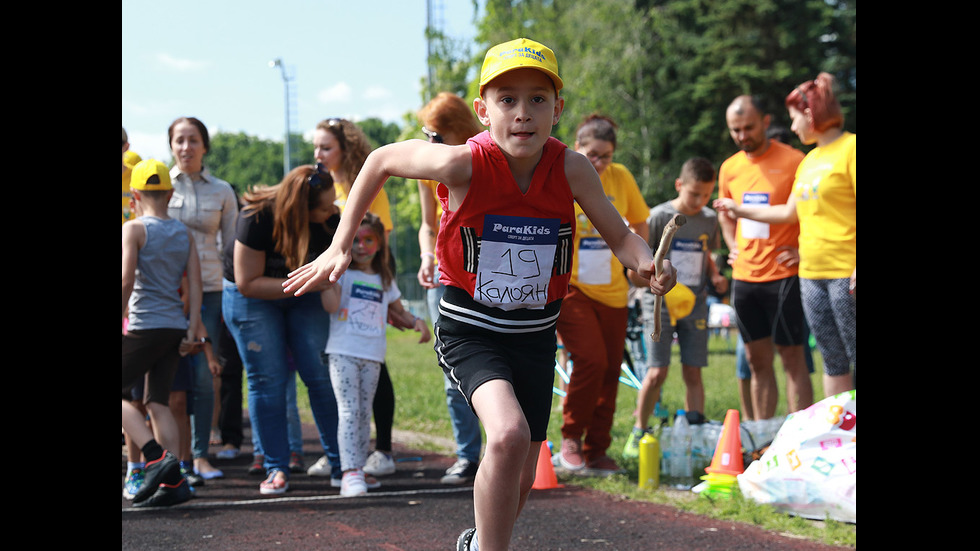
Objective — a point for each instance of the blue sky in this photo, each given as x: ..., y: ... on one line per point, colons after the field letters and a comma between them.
x: 211, y: 59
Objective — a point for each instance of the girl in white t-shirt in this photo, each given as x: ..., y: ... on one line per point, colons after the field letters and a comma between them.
x: 360, y: 304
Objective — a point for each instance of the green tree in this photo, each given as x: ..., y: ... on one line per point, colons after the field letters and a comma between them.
x: 665, y: 70
x: 244, y: 161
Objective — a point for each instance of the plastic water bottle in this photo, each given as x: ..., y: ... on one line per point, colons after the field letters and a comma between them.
x: 680, y: 453
x: 649, y: 462
x: 665, y: 448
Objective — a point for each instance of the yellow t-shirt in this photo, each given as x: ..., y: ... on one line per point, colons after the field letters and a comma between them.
x: 596, y: 271
x: 379, y: 207
x: 826, y: 205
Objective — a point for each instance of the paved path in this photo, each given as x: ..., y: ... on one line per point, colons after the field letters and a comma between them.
x: 412, y: 511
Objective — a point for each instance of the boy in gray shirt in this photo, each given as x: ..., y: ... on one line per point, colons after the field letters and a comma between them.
x: 686, y: 311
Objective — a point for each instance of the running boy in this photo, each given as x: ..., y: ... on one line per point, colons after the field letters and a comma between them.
x: 691, y: 254
x: 156, y: 252
x: 505, y: 241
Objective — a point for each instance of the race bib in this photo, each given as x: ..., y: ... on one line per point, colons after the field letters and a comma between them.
x: 594, y: 261
x: 364, y: 313
x: 516, y: 259
x: 687, y: 255
x: 752, y: 229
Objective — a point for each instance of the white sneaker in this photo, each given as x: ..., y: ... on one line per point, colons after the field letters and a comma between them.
x: 320, y: 468
x: 379, y: 464
x: 353, y: 484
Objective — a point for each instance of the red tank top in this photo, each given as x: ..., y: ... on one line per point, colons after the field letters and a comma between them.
x: 511, y: 252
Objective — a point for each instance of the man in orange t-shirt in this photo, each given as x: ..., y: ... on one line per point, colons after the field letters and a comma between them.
x: 764, y: 258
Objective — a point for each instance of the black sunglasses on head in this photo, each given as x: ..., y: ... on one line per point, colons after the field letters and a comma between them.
x: 314, y: 180
x: 433, y: 136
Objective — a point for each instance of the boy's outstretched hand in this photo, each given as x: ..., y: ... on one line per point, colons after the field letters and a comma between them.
x: 325, y: 270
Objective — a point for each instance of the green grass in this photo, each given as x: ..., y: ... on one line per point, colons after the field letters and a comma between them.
x: 421, y: 407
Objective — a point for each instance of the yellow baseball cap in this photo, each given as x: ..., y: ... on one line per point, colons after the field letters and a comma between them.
x: 150, y: 174
x: 680, y: 302
x: 130, y: 158
x: 518, y: 54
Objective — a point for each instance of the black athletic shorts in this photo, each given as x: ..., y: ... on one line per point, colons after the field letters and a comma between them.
x: 770, y: 309
x: 471, y: 356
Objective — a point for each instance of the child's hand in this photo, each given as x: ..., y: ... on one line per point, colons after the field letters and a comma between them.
x: 422, y: 327
x: 327, y: 268
x: 720, y: 282
x: 189, y: 346
x: 725, y: 206
x: 214, y: 367
x: 660, y: 285
x: 427, y: 273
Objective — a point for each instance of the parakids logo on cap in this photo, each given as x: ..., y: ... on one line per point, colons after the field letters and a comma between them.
x: 525, y: 51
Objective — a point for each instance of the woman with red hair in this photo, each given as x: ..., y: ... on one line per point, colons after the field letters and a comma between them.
x: 824, y: 201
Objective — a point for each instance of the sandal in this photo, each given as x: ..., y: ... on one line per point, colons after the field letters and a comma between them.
x: 273, y: 484
x: 258, y: 464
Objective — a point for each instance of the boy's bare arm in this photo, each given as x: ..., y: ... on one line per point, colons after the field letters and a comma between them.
x: 413, y: 159
x: 631, y: 249
x: 330, y: 298
x: 131, y: 232
x: 397, y: 310
x: 195, y: 292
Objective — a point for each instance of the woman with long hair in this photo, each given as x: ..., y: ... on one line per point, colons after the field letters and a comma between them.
x: 280, y: 228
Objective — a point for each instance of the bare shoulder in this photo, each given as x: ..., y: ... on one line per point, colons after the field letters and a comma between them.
x: 581, y: 175
x: 134, y: 233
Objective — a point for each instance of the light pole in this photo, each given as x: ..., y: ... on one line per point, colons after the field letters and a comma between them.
x: 285, y: 148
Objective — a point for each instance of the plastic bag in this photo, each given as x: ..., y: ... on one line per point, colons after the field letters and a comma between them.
x: 810, y: 469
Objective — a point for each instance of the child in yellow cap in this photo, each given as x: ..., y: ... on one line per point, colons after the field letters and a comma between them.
x: 505, y: 250
x: 156, y: 253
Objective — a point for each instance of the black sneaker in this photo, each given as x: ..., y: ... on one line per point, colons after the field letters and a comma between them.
x: 462, y: 472
x: 463, y: 542
x: 155, y: 472
x: 167, y: 495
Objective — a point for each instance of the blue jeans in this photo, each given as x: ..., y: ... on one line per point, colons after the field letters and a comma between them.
x: 292, y: 417
x: 267, y: 332
x: 466, y: 426
x: 201, y: 397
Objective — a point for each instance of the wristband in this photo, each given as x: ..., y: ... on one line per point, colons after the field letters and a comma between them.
x: 430, y: 255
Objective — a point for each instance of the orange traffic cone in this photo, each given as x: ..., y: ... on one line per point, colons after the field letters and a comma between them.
x: 728, y: 453
x: 544, y: 476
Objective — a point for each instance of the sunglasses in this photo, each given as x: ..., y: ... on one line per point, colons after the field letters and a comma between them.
x: 315, y: 181
x: 434, y: 137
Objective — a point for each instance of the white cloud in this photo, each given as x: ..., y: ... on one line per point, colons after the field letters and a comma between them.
x: 181, y: 65
x: 340, y: 92
x: 377, y: 92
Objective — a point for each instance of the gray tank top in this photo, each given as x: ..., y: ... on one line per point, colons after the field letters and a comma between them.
x: 155, y: 302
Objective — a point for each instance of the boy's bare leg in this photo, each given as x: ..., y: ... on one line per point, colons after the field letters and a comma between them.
x: 507, y: 470
x: 649, y: 395
x: 694, y: 385
x: 164, y: 427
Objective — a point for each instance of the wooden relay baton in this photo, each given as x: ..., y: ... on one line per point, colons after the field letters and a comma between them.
x: 670, y: 229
